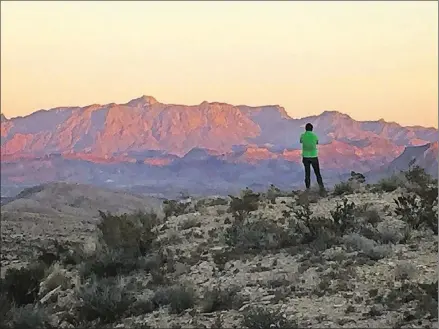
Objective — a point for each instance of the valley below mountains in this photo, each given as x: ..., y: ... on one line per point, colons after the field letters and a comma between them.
x: 212, y: 148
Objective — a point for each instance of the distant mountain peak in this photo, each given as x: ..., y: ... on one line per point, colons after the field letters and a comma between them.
x: 142, y: 100
x: 335, y: 114
x: 3, y: 117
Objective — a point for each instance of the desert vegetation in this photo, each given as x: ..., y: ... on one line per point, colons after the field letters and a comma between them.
x: 363, y: 255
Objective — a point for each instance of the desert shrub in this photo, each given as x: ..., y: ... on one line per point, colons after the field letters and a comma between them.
x: 178, y: 297
x: 334, y: 280
x: 56, y: 277
x: 418, y: 207
x: 111, y: 263
x: 388, y: 234
x: 418, y: 178
x: 302, y: 212
x: 220, y: 212
x: 182, y: 298
x: 174, y: 208
x: 318, y: 233
x: 103, y: 299
x: 424, y: 298
x: 128, y: 232
x: 28, y: 317
x: 241, y: 207
x: 5, y: 308
x: 162, y: 296
x: 96, y: 325
x: 272, y: 193
x: 312, y: 229
x: 404, y: 271
x: 368, y: 247
x: 218, y: 299
x: 261, y: 318
x: 343, y: 216
x: 256, y: 235
x: 220, y: 258
x: 343, y: 188
x: 66, y: 253
x: 388, y: 184
x: 51, y: 253
x: 189, y: 223
x: 357, y: 177
x: 371, y: 216
x: 21, y: 286
x: 212, y: 202
x: 368, y: 215
x: 140, y: 307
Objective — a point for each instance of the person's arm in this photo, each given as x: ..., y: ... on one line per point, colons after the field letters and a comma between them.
x: 300, y: 139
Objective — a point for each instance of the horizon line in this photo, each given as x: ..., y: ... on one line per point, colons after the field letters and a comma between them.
x: 211, y: 102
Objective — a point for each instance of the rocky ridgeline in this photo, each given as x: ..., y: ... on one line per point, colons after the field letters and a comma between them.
x: 364, y: 256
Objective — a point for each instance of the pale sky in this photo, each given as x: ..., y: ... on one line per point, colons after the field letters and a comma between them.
x: 368, y: 59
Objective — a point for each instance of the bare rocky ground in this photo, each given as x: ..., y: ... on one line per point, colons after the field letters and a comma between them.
x: 353, y: 259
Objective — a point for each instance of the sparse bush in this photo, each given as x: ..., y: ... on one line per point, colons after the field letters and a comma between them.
x: 388, y: 184
x: 212, y: 202
x: 218, y: 299
x: 404, y: 271
x: 272, y: 193
x: 343, y: 188
x: 132, y: 233
x: 111, y: 263
x: 418, y: 179
x: 335, y: 280
x: 357, y: 177
x: 344, y: 216
x: 57, y: 276
x: 162, y: 297
x: 141, y: 306
x: 367, y: 246
x: 174, y: 208
x: 369, y: 216
x: 28, y: 317
x: 260, y: 318
x: 257, y: 235
x: 220, y: 212
x: 5, y: 308
x: 423, y: 296
x: 313, y: 229
x: 389, y: 234
x: 419, y: 208
x: 189, y: 223
x: 241, y: 207
x: 21, y: 286
x: 66, y: 253
x: 302, y: 212
x: 103, y: 299
x: 178, y: 297
x: 220, y: 258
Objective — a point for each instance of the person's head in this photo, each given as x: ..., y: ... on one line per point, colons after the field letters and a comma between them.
x: 309, y: 127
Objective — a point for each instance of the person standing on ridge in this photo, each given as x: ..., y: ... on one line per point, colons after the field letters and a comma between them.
x: 309, y: 142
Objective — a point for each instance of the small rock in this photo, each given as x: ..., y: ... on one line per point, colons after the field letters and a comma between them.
x: 50, y: 294
x: 269, y: 297
x: 244, y: 307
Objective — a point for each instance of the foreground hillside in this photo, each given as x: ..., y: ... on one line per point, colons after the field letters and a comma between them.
x: 355, y: 258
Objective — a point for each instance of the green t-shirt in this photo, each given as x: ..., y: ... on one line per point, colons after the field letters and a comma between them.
x: 309, y: 142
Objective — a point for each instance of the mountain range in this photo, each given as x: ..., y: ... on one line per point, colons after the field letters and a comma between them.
x: 153, y: 147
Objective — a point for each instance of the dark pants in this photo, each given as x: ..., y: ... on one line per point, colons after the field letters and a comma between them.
x: 314, y: 162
